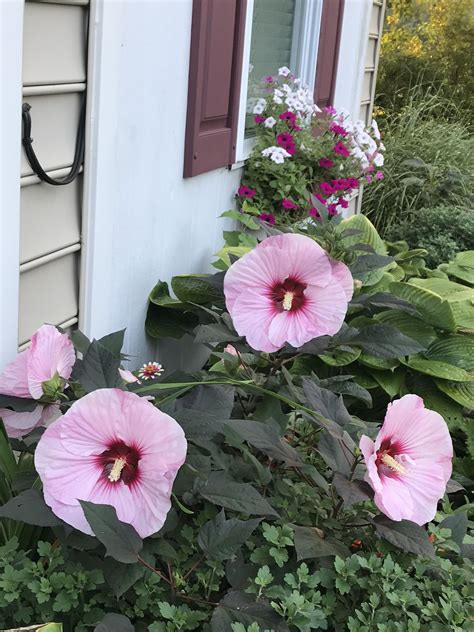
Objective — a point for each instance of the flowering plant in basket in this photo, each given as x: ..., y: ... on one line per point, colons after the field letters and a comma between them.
x: 306, y: 162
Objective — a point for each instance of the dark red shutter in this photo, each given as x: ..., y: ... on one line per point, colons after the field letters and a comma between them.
x: 328, y: 52
x: 215, y: 71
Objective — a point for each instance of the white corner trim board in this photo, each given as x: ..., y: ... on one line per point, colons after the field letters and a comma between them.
x: 11, y: 36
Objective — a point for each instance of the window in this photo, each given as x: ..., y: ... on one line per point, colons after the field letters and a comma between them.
x: 277, y: 33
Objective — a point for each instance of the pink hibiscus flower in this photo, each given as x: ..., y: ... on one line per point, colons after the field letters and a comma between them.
x: 326, y: 163
x: 115, y: 448
x: 36, y: 372
x: 341, y: 149
x: 20, y: 424
x: 409, y: 464
x: 50, y: 355
x: 247, y: 192
x: 287, y: 290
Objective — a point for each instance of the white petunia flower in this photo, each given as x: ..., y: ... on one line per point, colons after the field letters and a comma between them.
x: 260, y: 106
x: 382, y: 147
x: 269, y: 122
x: 284, y: 71
x: 277, y: 154
x: 375, y: 127
x: 378, y: 160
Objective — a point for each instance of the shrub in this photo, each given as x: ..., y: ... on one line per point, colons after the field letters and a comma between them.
x: 429, y: 163
x: 442, y: 231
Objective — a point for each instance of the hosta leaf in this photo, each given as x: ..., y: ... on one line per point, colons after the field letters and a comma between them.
x: 434, y: 399
x: 384, y: 341
x: 433, y: 308
x: 377, y: 363
x: 409, y: 325
x: 438, y: 369
x: 465, y: 258
x: 367, y: 234
x: 462, y: 306
x: 340, y: 357
x: 391, y: 381
x: 457, y: 350
x: 440, y: 286
x: 460, y: 272
x: 460, y: 392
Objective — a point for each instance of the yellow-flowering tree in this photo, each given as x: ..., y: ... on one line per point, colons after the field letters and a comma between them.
x: 428, y: 41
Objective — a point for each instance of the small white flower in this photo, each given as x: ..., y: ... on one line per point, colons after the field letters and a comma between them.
x: 375, y: 127
x: 260, y: 106
x: 286, y: 88
x: 378, y: 160
x: 382, y: 147
x: 284, y: 71
x: 277, y: 154
x: 269, y: 122
x: 150, y: 370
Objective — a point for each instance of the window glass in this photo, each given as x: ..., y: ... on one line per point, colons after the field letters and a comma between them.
x: 272, y: 46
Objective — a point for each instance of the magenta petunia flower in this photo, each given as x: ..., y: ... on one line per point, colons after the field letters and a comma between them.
x: 286, y: 140
x: 343, y: 203
x: 341, y: 149
x: 115, y: 448
x: 247, y: 192
x: 267, y: 217
x: 288, y: 116
x: 289, y: 205
x: 379, y: 175
x: 329, y: 109
x: 326, y: 163
x: 327, y: 188
x: 332, y: 210
x: 353, y: 183
x: 269, y: 79
x: 409, y: 464
x: 313, y: 212
x: 338, y: 129
x: 259, y: 118
x: 287, y: 290
x: 320, y: 198
x: 50, y: 355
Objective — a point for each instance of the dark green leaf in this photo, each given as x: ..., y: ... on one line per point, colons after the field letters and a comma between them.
x: 310, y: 543
x: 326, y: 403
x: 219, y: 538
x: 385, y: 341
x: 405, y: 535
x: 222, y: 491
x: 18, y: 404
x: 458, y: 525
x: 166, y: 317
x: 337, y: 452
x: 214, y: 332
x: 120, y: 539
x: 385, y: 300
x: 113, y: 622
x: 367, y: 263
x: 351, y: 491
x: 199, y: 289
x: 120, y: 577
x: 98, y: 368
x: 266, y: 439
x: 113, y: 342
x: 242, y: 607
x: 80, y: 341
x: 29, y: 507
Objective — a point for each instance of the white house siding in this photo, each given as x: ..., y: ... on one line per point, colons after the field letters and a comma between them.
x: 141, y: 220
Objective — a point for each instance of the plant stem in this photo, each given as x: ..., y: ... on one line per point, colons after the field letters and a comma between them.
x: 153, y: 570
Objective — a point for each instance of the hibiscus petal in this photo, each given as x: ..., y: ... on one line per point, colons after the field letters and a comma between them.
x: 14, y: 378
x: 51, y: 352
x: 394, y: 500
x: 20, y: 424
x: 325, y: 308
x: 426, y: 484
x: 252, y: 314
x: 151, y: 497
x: 343, y: 276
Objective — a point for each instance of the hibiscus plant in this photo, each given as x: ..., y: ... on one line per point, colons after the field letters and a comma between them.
x: 266, y: 490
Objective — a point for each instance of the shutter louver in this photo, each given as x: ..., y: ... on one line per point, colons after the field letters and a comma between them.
x: 328, y: 52
x: 215, y: 69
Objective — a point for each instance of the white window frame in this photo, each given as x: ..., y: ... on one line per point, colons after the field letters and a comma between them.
x: 304, y: 56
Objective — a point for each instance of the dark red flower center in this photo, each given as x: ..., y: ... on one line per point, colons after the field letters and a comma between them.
x: 120, y: 463
x: 386, y: 458
x: 289, y: 295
